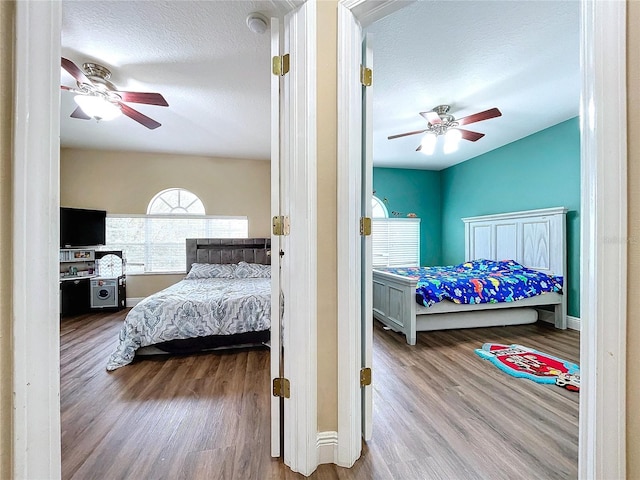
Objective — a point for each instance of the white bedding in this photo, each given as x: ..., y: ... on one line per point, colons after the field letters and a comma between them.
x: 195, y: 308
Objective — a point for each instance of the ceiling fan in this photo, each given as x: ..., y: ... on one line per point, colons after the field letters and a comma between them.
x: 440, y: 122
x: 98, y: 98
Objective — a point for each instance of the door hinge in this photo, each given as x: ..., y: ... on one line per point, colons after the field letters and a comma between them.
x: 365, y: 376
x: 281, y: 387
x: 365, y: 226
x: 281, y: 65
x: 280, y: 225
x: 366, y: 76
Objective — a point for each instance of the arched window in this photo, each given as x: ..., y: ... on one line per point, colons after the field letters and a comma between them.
x: 175, y: 201
x: 378, y: 208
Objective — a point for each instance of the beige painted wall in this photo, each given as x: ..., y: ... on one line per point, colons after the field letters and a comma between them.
x: 633, y: 315
x: 125, y: 182
x: 327, y: 18
x: 6, y: 97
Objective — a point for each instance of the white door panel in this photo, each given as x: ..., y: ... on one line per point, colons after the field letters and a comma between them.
x: 276, y: 350
x: 367, y: 275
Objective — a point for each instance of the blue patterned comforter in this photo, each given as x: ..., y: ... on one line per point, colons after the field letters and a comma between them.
x: 478, y: 281
x: 194, y: 308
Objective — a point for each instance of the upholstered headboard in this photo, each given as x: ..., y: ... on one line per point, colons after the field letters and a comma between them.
x: 228, y: 250
x: 533, y: 238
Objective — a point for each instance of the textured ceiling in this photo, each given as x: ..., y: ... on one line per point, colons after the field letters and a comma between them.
x: 519, y: 56
x: 213, y: 71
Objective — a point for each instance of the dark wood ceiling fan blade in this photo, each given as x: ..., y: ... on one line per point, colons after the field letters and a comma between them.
x: 480, y: 116
x: 431, y: 117
x: 406, y: 134
x: 141, y: 118
x: 74, y: 70
x: 79, y: 113
x: 469, y: 135
x: 142, y: 97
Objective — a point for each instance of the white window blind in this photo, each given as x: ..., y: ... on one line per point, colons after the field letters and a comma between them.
x: 156, y: 243
x: 396, y: 242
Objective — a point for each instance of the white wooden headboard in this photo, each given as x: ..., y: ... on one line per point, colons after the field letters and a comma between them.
x: 533, y: 238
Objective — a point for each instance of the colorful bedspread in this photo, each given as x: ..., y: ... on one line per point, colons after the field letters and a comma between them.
x: 479, y: 281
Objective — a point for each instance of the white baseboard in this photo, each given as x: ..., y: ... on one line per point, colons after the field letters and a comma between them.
x: 133, y: 301
x: 327, y: 446
x: 572, y: 322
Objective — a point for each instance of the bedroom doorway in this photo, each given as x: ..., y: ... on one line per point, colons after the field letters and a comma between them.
x: 33, y: 437
x: 602, y: 30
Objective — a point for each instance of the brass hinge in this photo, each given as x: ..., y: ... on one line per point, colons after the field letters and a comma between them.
x: 280, y: 225
x: 366, y: 76
x: 365, y: 376
x: 365, y: 226
x: 281, y: 387
x: 281, y: 65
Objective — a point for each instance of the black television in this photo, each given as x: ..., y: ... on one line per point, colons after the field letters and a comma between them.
x: 81, y: 227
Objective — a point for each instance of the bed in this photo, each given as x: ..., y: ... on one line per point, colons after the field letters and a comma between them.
x: 535, y: 239
x: 223, y: 301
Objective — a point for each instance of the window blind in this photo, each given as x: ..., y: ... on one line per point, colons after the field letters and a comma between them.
x: 396, y: 242
x: 156, y: 243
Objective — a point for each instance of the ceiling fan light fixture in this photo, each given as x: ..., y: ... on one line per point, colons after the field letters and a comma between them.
x: 451, y: 140
x: 428, y: 144
x: 97, y: 107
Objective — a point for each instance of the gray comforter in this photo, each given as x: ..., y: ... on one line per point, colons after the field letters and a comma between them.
x: 194, y: 308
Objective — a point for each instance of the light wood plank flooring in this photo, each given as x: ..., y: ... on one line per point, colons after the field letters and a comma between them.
x: 440, y: 412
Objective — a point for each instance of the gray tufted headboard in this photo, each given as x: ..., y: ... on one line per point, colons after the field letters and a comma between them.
x: 228, y: 250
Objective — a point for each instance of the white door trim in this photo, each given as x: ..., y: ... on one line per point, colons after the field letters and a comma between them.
x: 603, y: 262
x: 36, y: 160
x: 602, y: 447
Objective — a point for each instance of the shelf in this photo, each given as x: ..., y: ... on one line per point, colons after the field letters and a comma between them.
x: 68, y: 255
x: 76, y: 277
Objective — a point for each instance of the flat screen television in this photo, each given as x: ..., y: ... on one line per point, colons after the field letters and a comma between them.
x: 81, y: 228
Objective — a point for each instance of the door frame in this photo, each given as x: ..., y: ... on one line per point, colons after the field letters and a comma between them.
x: 36, y: 442
x: 602, y: 442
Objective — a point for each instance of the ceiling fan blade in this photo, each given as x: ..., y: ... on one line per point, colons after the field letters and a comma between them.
x: 142, y: 97
x: 432, y: 117
x: 480, y: 116
x: 469, y: 135
x: 74, y: 70
x: 64, y: 87
x: 139, y: 117
x: 79, y: 113
x: 406, y: 134
x: 419, y: 148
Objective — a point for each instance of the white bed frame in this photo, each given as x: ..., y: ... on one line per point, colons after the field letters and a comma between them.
x: 533, y: 238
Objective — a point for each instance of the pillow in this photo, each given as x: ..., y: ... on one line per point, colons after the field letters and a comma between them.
x: 211, y: 270
x: 252, y: 270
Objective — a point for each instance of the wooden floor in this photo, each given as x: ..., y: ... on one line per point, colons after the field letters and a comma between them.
x: 440, y: 412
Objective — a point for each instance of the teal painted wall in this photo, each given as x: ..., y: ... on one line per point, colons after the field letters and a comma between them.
x: 414, y: 191
x: 538, y: 171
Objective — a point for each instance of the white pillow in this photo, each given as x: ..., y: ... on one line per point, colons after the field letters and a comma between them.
x: 211, y: 270
x: 252, y: 270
